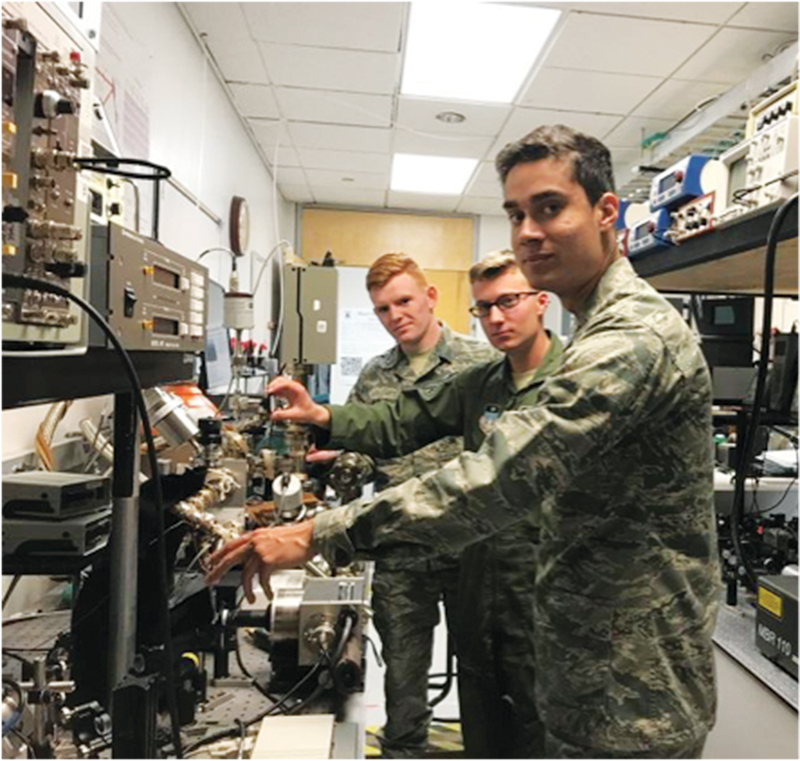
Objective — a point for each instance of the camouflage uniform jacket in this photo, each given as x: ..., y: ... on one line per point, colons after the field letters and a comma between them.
x: 384, y: 377
x: 617, y: 455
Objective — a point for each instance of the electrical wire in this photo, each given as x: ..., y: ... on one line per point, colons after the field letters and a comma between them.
x: 220, y: 248
x: 129, y: 181
x: 266, y: 261
x: 737, y: 510
x: 281, y: 309
x: 738, y: 195
x: 777, y: 504
x: 13, y: 654
x: 111, y: 166
x: 22, y: 281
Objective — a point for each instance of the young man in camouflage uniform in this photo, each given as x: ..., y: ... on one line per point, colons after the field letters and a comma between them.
x: 615, y: 452
x: 406, y: 595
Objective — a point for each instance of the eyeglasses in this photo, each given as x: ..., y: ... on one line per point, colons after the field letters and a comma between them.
x: 504, y: 303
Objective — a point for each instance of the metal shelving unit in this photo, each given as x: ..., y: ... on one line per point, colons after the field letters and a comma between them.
x: 726, y: 260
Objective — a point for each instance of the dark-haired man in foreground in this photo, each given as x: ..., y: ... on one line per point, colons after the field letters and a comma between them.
x: 616, y: 455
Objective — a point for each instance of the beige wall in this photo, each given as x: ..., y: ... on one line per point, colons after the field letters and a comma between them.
x: 442, y: 246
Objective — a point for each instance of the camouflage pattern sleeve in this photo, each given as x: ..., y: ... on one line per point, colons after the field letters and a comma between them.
x: 607, y: 385
x: 420, y: 415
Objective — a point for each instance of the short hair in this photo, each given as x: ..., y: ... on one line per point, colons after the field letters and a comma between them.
x: 493, y: 265
x: 385, y: 267
x: 591, y: 160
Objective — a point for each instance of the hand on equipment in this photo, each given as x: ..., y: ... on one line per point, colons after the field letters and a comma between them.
x: 301, y: 409
x: 322, y: 455
x: 261, y: 552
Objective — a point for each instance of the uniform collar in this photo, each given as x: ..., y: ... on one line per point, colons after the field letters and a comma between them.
x: 619, y: 274
x: 395, y: 359
x: 548, y: 365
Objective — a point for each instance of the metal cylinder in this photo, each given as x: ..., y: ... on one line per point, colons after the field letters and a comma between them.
x: 170, y: 417
x: 285, y: 614
x: 287, y: 491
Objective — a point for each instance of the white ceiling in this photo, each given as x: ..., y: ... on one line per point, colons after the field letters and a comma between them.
x: 318, y: 83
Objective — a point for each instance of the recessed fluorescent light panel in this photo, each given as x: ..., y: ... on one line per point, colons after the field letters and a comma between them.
x: 431, y: 174
x: 473, y: 51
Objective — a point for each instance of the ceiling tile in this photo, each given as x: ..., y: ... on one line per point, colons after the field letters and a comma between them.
x: 255, y: 100
x: 348, y: 197
x: 360, y: 26
x: 420, y: 114
x: 485, y: 182
x: 733, y: 55
x: 349, y: 161
x: 339, y: 138
x: 573, y: 90
x: 779, y: 17
x: 490, y: 206
x: 676, y: 98
x: 440, y: 145
x: 271, y: 134
x: 296, y: 193
x: 287, y: 156
x: 355, y: 180
x: 584, y: 44
x: 289, y: 175
x: 525, y: 120
x: 329, y: 69
x: 327, y: 106
x: 228, y: 38
x: 399, y: 200
x: 709, y: 13
x: 631, y: 131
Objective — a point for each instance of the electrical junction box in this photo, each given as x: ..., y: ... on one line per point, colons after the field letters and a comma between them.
x: 71, y: 537
x: 650, y: 234
x: 689, y: 178
x: 48, y: 495
x: 153, y: 298
x: 309, y: 319
x: 776, y: 620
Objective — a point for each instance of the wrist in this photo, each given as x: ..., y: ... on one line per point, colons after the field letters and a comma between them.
x: 323, y: 417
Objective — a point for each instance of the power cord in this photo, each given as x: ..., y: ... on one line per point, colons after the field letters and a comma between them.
x: 112, y: 166
x: 23, y: 281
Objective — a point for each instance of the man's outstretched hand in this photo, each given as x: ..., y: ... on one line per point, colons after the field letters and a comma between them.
x: 302, y: 408
x: 261, y: 552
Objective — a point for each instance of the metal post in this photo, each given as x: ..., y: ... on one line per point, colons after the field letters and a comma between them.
x: 124, y: 539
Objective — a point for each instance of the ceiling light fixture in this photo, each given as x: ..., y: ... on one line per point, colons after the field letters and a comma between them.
x: 477, y: 52
x: 451, y: 117
x: 440, y: 175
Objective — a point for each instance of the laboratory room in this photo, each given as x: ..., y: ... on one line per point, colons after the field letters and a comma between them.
x: 400, y: 380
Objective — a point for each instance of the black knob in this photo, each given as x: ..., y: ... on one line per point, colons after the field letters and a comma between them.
x: 66, y: 270
x: 14, y: 214
x: 65, y: 106
x: 210, y: 430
